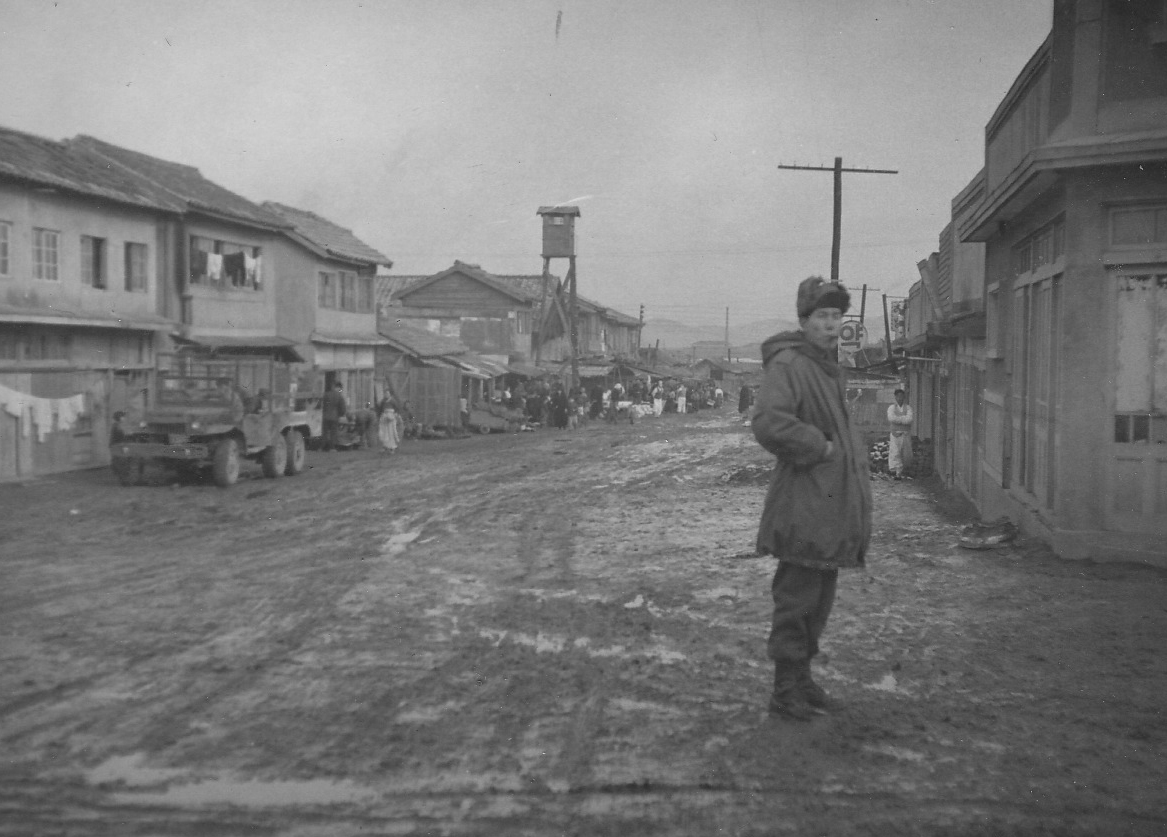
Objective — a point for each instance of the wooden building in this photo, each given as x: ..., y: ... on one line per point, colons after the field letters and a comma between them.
x: 81, y: 302
x: 326, y: 302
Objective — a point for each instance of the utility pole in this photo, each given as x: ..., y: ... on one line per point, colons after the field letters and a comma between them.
x: 887, y: 334
x: 640, y: 331
x: 838, y: 220
x: 728, y: 353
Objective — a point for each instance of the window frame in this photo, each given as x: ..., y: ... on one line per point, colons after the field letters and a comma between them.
x: 5, y: 248
x: 45, y: 268
x: 94, y: 262
x: 130, y: 262
x: 326, y: 293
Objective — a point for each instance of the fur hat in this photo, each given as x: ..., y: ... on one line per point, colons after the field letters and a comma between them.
x: 816, y: 292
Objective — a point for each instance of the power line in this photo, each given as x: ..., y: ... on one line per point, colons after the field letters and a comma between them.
x: 707, y: 252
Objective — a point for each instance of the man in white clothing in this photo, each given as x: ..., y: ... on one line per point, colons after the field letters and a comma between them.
x: 900, y: 417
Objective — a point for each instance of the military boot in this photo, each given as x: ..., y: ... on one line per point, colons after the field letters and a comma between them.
x: 788, y: 700
x: 812, y: 692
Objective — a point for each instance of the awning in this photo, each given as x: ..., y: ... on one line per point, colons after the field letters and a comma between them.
x: 349, y: 339
x: 63, y: 317
x: 527, y: 371
x: 471, y: 370
x: 279, y: 347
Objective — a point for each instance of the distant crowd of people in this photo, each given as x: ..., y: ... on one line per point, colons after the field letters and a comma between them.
x: 532, y: 404
x: 544, y: 403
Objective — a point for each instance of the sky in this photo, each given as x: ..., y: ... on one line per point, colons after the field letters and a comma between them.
x: 435, y: 129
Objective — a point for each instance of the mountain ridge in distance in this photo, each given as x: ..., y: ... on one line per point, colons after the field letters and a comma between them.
x: 674, y: 334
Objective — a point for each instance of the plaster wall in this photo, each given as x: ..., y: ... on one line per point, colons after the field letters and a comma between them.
x: 71, y: 218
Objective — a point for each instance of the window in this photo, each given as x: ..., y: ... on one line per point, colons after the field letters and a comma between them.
x: 1138, y: 225
x: 1140, y: 402
x: 365, y: 294
x: 326, y: 297
x: 1045, y: 246
x: 45, y: 344
x: 9, y: 345
x: 135, y: 267
x: 5, y: 236
x: 93, y: 261
x: 44, y: 254
x: 228, y: 264
x: 348, y: 291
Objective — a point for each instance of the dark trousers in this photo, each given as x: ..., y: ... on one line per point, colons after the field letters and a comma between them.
x: 330, y: 432
x: 803, y: 598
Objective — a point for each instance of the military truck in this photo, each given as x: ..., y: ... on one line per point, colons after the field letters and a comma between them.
x: 211, y: 413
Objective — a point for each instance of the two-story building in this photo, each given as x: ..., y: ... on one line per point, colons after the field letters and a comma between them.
x: 493, y: 315
x: 218, y: 274
x: 327, y: 302
x: 1074, y: 225
x: 81, y: 301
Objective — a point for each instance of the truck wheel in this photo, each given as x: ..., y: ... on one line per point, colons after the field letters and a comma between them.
x: 128, y: 471
x: 275, y: 458
x: 296, y: 453
x: 484, y: 429
x: 226, y: 463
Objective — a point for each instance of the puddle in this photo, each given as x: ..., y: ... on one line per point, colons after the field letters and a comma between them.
x: 253, y: 793
x: 397, y: 543
x: 163, y: 786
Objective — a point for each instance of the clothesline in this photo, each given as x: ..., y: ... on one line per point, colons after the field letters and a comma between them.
x: 43, y: 412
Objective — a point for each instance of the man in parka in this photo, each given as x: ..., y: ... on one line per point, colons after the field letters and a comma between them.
x: 817, y: 517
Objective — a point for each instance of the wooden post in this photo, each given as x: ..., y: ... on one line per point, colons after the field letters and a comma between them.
x: 838, y: 211
x: 537, y: 336
x: 887, y: 334
x: 836, y: 231
x: 573, y: 317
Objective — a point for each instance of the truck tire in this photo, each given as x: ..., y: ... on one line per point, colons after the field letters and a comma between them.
x: 296, y: 452
x: 225, y: 466
x: 275, y: 458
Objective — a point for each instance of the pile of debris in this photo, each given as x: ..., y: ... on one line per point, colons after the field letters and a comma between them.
x: 988, y: 535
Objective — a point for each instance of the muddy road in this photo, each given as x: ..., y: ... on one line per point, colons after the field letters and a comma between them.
x: 551, y: 633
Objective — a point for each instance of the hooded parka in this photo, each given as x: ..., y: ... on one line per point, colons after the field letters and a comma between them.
x: 818, y: 509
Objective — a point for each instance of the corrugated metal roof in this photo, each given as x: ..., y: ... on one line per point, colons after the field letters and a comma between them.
x: 348, y: 339
x: 327, y: 236
x: 181, y: 181
x: 420, y: 341
x: 59, y: 166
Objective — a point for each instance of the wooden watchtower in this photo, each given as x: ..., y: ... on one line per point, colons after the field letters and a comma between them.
x: 559, y: 243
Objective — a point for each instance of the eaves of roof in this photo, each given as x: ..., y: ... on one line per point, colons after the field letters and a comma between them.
x: 474, y: 272
x: 326, y: 238
x: 1038, y: 172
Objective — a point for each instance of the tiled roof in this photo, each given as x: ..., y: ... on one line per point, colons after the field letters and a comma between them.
x: 389, y: 287
x: 327, y: 236
x: 181, y: 181
x: 54, y: 164
x: 418, y: 340
x: 530, y: 286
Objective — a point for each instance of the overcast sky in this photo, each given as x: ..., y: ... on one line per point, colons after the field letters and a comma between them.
x: 435, y: 129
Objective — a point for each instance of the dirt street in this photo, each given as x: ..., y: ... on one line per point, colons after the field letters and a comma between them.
x: 551, y: 633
